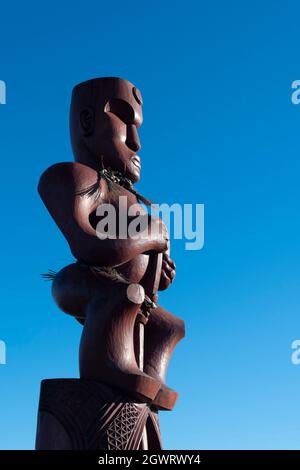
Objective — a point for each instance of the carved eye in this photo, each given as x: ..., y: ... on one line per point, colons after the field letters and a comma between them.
x: 120, y: 108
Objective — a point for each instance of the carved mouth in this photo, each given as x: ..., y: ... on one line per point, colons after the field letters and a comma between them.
x: 136, y: 161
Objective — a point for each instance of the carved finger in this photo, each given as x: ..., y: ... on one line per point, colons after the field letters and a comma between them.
x: 165, y: 281
x: 170, y: 272
x: 169, y: 261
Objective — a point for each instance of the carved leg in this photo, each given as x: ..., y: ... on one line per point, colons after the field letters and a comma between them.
x: 108, y: 311
x: 163, y: 331
x: 107, y: 343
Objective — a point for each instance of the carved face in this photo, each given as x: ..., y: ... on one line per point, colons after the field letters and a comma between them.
x: 111, y: 127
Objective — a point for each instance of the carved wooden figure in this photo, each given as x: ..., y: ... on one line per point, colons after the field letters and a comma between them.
x: 111, y: 289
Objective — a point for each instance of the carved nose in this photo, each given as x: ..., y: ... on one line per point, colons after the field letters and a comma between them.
x: 132, y: 140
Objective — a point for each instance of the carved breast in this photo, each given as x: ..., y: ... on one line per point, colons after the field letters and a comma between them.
x: 121, y: 200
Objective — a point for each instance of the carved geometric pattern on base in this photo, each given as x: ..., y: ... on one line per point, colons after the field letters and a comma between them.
x: 121, y: 428
x: 79, y: 414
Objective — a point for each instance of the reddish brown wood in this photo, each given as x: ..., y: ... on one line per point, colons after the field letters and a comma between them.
x: 104, y: 120
x: 76, y: 414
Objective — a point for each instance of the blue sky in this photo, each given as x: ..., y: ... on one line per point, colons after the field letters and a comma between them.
x: 219, y: 129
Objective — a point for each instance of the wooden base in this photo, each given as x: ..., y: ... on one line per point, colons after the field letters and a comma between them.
x: 77, y: 414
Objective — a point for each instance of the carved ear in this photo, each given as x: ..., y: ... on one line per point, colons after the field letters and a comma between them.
x: 87, y: 121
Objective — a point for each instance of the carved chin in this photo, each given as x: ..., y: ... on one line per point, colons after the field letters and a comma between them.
x: 136, y: 176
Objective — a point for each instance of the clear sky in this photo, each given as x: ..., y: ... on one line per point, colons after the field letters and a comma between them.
x: 219, y: 129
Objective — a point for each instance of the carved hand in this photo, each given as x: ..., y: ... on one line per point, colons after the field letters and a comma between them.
x: 167, y: 272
